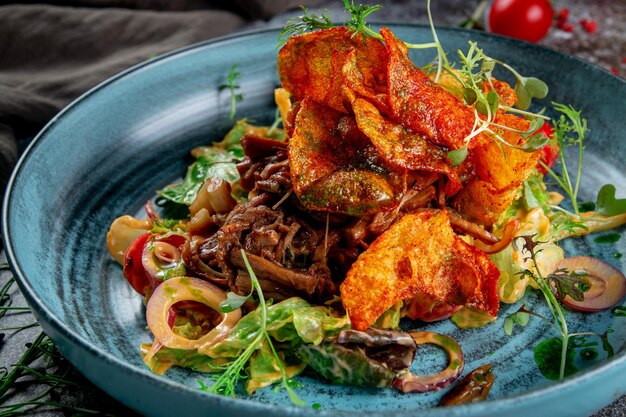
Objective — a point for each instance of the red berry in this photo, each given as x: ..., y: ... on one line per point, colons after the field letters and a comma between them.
x: 567, y: 27
x: 590, y: 26
x: 615, y: 71
x: 563, y: 14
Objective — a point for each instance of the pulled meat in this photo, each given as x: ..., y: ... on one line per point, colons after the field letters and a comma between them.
x: 287, y: 249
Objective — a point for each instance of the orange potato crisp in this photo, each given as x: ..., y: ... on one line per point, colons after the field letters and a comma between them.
x: 418, y: 254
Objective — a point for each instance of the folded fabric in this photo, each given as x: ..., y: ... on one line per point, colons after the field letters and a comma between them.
x: 51, y: 54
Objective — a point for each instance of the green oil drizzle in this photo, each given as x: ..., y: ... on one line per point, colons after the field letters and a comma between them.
x: 548, y: 358
x: 589, y: 354
x: 608, y: 238
x: 619, y: 311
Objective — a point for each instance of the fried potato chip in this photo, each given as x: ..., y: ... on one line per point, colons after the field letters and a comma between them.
x: 308, y: 64
x: 335, y: 168
x: 401, y: 147
x: 500, y: 165
x: 504, y: 90
x: 418, y: 254
x: 421, y: 105
x: 479, y: 202
x: 353, y: 81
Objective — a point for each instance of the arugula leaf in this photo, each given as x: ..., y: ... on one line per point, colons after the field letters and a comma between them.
x: 607, y: 204
x: 215, y: 163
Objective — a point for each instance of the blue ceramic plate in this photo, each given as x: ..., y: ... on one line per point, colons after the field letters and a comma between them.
x: 105, y: 154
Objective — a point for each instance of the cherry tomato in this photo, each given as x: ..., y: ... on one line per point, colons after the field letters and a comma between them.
x: 550, y: 152
x: 134, y: 272
x: 142, y: 270
x: 528, y: 20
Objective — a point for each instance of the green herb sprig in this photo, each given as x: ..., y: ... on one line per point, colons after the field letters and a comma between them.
x: 226, y: 383
x: 569, y: 130
x: 230, y: 83
x: 476, y: 72
x: 356, y: 21
x: 307, y: 22
x: 554, y: 286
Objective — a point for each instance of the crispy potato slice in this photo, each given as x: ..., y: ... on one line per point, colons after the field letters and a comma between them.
x: 500, y: 165
x: 402, y: 147
x: 421, y: 105
x: 308, y: 64
x: 479, y: 202
x: 418, y: 254
x: 504, y: 90
x: 335, y: 168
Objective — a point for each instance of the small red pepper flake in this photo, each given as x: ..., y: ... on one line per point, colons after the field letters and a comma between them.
x: 567, y: 27
x: 590, y: 26
x: 563, y: 15
x: 615, y: 71
x: 624, y: 60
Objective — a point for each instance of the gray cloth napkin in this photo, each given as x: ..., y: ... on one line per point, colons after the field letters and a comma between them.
x: 50, y: 54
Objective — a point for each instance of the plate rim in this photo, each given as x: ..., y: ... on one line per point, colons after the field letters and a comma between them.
x: 51, y: 320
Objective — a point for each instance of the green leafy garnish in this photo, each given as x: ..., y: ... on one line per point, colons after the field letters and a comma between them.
x: 231, y: 84
x: 227, y: 382
x: 520, y: 318
x: 356, y: 21
x: 607, y: 204
x: 307, y: 22
x: 234, y: 301
x: 527, y: 88
x: 216, y: 161
x: 476, y: 72
x: 457, y: 156
x: 552, y: 364
x: 569, y: 130
x: 568, y: 282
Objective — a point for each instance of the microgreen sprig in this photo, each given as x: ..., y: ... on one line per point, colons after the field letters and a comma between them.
x: 230, y: 83
x: 569, y: 130
x: 476, y: 72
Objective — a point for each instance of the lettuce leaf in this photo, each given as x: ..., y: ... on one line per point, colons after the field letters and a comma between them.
x: 342, y: 365
x: 290, y: 322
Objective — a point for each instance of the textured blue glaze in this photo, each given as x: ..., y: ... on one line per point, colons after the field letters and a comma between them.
x: 105, y: 154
